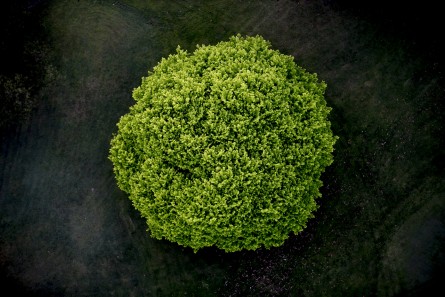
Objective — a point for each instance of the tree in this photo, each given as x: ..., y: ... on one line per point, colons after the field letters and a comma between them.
x: 225, y: 146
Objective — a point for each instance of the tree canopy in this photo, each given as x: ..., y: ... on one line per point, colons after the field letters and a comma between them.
x: 225, y: 146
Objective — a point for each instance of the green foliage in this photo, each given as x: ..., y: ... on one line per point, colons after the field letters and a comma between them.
x: 225, y: 146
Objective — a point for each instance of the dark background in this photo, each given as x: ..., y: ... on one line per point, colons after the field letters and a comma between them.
x: 26, y: 51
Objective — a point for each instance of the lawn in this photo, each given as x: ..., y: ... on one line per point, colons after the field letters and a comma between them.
x: 67, y: 230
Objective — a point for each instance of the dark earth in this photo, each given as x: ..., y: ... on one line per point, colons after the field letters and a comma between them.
x: 67, y: 72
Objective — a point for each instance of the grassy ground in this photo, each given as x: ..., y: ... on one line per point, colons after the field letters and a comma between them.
x: 66, y: 230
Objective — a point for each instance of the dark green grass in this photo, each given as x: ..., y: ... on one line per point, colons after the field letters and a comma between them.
x: 65, y: 228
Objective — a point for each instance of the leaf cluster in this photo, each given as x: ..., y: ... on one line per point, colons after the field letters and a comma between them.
x: 225, y: 146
